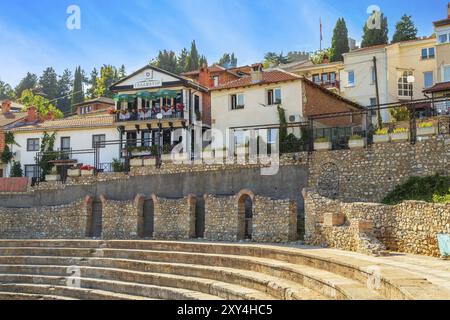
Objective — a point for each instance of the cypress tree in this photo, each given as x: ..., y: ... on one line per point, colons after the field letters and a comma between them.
x: 376, y: 36
x: 339, y: 42
x: 405, y: 30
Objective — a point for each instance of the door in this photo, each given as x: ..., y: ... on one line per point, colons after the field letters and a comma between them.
x: 97, y: 213
x: 148, y: 219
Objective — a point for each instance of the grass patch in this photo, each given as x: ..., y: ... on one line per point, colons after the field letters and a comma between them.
x: 433, y: 189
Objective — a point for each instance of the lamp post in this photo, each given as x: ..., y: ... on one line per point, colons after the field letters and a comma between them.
x: 412, y: 126
x: 159, y: 116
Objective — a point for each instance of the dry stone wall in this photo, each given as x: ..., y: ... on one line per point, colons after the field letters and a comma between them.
x: 409, y: 227
x: 58, y: 222
x: 221, y: 218
x: 174, y: 218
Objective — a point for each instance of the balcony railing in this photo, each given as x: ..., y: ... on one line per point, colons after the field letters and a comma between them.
x: 328, y: 84
x: 120, y: 117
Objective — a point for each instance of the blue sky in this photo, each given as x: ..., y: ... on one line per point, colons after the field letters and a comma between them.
x: 33, y: 34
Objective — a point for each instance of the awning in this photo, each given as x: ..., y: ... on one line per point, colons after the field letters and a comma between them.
x: 146, y: 95
x: 124, y: 97
x: 166, y: 94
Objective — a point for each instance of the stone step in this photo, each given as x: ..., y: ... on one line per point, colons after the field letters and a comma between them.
x: 327, y: 283
x: 275, y: 287
x: 139, y: 291
x: 27, y: 296
x: 221, y: 289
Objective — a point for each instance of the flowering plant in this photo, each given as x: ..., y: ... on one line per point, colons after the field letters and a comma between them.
x: 87, y: 168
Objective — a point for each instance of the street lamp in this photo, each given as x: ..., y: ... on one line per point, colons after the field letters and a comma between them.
x: 159, y: 116
x: 411, y: 80
x: 412, y: 126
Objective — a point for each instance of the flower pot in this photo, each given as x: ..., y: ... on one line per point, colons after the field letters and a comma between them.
x: 356, y: 144
x: 426, y: 131
x: 401, y: 136
x: 320, y: 146
x: 87, y: 172
x: 381, y: 138
x: 53, y: 177
x: 136, y: 162
x: 149, y: 162
x: 73, y: 172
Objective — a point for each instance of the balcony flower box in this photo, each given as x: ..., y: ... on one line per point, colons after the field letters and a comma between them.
x: 426, y: 130
x: 52, y: 177
x: 74, y: 172
x: 400, y: 134
x: 322, y: 144
x: 147, y: 162
x: 356, y: 142
x: 89, y: 172
x: 136, y: 162
x: 381, y: 136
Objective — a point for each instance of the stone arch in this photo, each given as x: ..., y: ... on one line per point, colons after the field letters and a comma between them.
x: 245, y: 202
x: 95, y: 218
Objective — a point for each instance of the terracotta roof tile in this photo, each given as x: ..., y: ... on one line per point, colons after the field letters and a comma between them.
x: 11, y: 117
x: 268, y: 77
x: 71, y: 122
x: 443, y: 86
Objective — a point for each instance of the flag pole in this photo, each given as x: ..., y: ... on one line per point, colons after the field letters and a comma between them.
x: 321, y: 37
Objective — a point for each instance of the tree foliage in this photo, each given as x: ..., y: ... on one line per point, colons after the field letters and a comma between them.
x: 48, y: 153
x: 193, y: 60
x: 77, y: 93
x: 108, y: 75
x: 64, y: 89
x: 29, y: 82
x: 16, y: 170
x: 273, y: 59
x: 339, y: 42
x: 6, y: 91
x: 228, y: 61
x: 48, y: 83
x: 166, y: 60
x: 376, y: 36
x: 405, y: 30
x: 319, y: 56
x: 42, y: 104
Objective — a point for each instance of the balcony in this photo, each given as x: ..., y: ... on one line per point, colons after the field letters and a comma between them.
x: 329, y: 84
x: 147, y: 119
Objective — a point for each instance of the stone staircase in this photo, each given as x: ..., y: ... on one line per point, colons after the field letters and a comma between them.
x: 123, y: 270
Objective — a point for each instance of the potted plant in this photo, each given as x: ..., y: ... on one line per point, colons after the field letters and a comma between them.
x: 426, y: 129
x: 87, y: 170
x: 322, y: 144
x: 381, y: 136
x: 74, y: 172
x: 356, y: 142
x: 136, y: 162
x: 53, y: 176
x: 400, y: 134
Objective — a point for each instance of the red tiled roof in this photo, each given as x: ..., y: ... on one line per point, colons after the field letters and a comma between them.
x: 442, y: 22
x: 443, y: 86
x: 11, y: 117
x: 268, y: 77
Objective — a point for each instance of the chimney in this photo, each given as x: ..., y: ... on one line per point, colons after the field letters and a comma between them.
x: 50, y: 116
x: 32, y: 114
x: 6, y: 106
x: 204, y: 77
x: 257, y: 73
x: 326, y: 59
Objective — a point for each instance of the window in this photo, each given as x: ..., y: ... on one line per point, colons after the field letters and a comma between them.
x: 324, y: 77
x: 31, y: 171
x: 237, y: 101
x: 405, y: 89
x: 443, y: 38
x: 332, y: 77
x: 146, y: 138
x: 446, y: 74
x: 273, y: 97
x: 351, y: 78
x: 374, y: 78
x: 373, y: 103
x: 428, y: 53
x: 316, y: 78
x: 33, y: 144
x: 98, y: 140
x: 65, y: 143
x: 216, y: 81
x: 428, y: 79
x: 272, y: 136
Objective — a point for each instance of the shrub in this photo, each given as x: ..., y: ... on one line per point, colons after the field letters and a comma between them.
x: 355, y: 137
x: 425, y: 125
x: 400, y: 130
x: 400, y: 113
x: 430, y: 189
x: 322, y: 139
x: 16, y: 170
x: 117, y: 166
x: 380, y: 132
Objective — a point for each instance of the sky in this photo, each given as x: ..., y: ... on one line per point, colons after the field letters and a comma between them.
x: 34, y: 34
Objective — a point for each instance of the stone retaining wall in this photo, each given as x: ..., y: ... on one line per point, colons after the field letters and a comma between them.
x: 221, y: 218
x: 174, y: 219
x: 57, y: 222
x: 409, y: 227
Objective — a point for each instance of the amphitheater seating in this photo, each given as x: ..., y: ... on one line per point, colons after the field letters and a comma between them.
x: 122, y: 270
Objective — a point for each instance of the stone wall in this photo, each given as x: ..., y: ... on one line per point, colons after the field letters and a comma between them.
x: 221, y: 218
x: 370, y: 174
x: 174, y: 219
x: 57, y: 222
x: 120, y: 219
x: 410, y: 227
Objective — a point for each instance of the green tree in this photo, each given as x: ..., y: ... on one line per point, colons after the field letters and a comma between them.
x: 228, y: 61
x: 319, y: 56
x: 339, y: 43
x: 376, y: 36
x: 193, y: 60
x: 405, y: 30
x: 47, y: 153
x: 166, y: 60
x: 6, y: 91
x: 108, y: 75
x: 29, y: 82
x: 77, y: 92
x: 122, y: 72
x: 203, y: 61
x: 182, y: 61
x: 92, y: 84
x: 64, y: 89
x: 272, y: 59
x: 48, y: 83
x: 42, y: 104
x: 16, y: 170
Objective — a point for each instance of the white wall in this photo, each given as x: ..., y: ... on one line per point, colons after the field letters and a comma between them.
x: 79, y: 140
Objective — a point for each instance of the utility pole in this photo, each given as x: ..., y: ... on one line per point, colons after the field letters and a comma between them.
x: 379, y: 120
